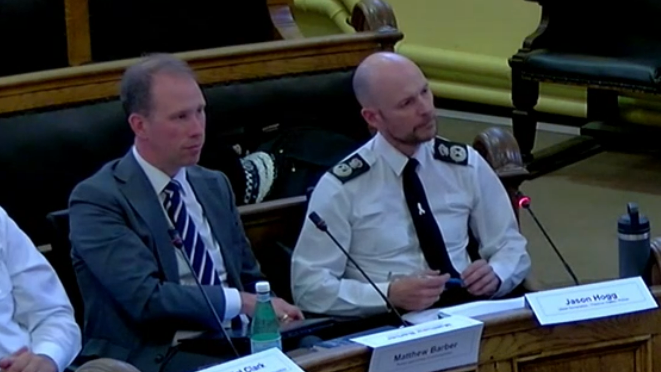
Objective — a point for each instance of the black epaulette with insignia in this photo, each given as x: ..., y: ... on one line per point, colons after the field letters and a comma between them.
x: 350, y: 168
x: 451, y: 152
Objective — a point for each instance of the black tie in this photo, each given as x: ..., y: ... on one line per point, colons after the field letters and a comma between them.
x: 429, y: 234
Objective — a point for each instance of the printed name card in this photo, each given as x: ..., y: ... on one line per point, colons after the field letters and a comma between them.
x: 271, y: 360
x: 591, y: 301
x: 436, y: 345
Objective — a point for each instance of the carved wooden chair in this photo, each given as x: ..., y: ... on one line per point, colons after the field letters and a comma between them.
x: 610, y: 48
x: 500, y: 149
x: 655, y: 264
x: 373, y: 15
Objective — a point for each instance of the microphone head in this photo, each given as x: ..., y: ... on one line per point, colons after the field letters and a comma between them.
x: 317, y: 221
x: 524, y: 201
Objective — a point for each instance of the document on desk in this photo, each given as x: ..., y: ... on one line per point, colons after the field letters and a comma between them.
x: 591, y: 301
x: 471, y: 309
x: 438, y: 345
x: 271, y: 360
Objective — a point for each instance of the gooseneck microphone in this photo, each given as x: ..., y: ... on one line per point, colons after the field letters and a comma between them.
x: 321, y: 225
x: 179, y: 244
x: 524, y: 202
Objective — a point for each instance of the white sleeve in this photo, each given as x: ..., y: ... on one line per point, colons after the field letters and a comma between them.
x: 232, y: 303
x: 318, y: 264
x: 41, y: 304
x: 494, y: 223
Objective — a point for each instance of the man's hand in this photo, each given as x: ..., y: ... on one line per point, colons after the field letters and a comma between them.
x: 479, y: 279
x: 286, y: 312
x: 417, y: 292
x: 248, y: 302
x: 24, y: 360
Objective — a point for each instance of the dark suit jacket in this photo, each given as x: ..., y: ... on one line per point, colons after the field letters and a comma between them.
x: 126, y: 264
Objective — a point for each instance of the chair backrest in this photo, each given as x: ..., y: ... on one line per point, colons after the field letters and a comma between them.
x: 586, y: 27
x: 60, y: 259
x: 500, y: 149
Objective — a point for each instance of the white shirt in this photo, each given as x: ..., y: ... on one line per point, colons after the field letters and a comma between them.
x: 34, y: 308
x: 368, y: 215
x: 159, y: 180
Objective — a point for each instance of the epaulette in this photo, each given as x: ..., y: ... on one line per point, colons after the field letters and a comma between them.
x: 350, y: 168
x: 451, y: 152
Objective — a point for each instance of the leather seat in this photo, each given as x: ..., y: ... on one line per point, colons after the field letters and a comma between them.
x: 608, y: 47
x: 603, y: 69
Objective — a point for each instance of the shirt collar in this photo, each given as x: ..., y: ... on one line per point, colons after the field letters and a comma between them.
x: 157, y: 177
x: 394, y: 158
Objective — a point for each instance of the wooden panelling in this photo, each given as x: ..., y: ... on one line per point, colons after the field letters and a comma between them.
x: 79, y: 47
x: 254, y: 61
x: 271, y: 221
x: 628, y: 355
x: 515, y: 342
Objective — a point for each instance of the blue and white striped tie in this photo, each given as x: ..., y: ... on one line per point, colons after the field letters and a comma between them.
x: 193, y: 244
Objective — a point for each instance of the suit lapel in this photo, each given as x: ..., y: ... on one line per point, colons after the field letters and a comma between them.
x: 208, y: 194
x: 137, y: 189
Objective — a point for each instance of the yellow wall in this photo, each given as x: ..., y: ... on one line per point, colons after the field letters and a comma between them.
x: 463, y: 47
x: 493, y: 28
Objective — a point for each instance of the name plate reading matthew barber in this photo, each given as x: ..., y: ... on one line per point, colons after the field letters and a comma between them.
x: 271, y: 360
x: 591, y: 301
x: 436, y: 345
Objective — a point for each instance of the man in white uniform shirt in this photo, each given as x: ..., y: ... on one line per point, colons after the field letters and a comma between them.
x: 38, y: 332
x: 403, y: 205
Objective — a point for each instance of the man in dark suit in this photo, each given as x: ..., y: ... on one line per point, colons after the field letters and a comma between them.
x: 139, y: 293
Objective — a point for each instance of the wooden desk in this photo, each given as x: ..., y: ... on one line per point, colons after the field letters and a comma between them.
x: 515, y: 342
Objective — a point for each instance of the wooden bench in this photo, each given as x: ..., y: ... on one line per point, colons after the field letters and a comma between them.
x: 73, y: 85
x: 77, y: 32
x: 80, y: 32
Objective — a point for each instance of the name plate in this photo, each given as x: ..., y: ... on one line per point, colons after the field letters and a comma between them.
x: 271, y: 360
x: 436, y: 345
x: 591, y: 301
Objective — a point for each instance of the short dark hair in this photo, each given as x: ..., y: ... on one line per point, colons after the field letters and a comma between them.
x: 135, y: 87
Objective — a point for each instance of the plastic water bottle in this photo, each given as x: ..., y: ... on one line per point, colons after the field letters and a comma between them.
x: 265, y: 328
x: 633, y: 231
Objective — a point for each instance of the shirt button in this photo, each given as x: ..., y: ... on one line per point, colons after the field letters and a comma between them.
x: 159, y: 358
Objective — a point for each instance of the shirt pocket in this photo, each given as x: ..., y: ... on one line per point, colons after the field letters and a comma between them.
x: 379, y: 229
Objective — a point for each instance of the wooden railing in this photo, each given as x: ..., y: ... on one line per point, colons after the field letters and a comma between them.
x: 99, y: 81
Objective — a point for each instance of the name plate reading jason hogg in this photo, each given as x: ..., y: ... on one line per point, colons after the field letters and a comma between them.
x: 432, y: 346
x: 271, y: 360
x: 591, y: 301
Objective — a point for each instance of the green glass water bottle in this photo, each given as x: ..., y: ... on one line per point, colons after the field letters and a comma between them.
x: 265, y: 328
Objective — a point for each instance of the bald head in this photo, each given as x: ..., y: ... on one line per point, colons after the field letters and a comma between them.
x: 376, y: 68
x: 396, y: 100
